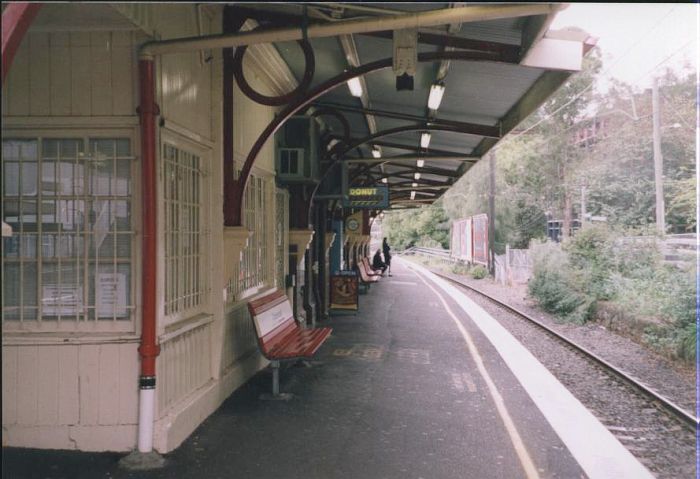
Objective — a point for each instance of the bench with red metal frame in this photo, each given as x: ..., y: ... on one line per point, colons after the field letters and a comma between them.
x: 370, y: 269
x: 366, y: 279
x: 280, y: 337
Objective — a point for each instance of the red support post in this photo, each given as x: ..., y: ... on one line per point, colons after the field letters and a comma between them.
x: 148, y: 110
x: 16, y: 19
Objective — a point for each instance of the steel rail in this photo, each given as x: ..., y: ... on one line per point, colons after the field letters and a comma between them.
x: 686, y: 418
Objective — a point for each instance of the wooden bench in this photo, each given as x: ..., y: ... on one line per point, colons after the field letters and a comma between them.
x: 280, y: 337
x: 366, y: 279
x: 368, y: 267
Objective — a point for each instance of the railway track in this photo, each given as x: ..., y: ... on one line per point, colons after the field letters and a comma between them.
x: 685, y: 417
x: 657, y: 431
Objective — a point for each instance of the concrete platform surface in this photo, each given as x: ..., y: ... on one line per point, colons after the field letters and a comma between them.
x: 396, y: 392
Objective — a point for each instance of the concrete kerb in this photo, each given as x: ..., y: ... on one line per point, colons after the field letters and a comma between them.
x: 142, y: 461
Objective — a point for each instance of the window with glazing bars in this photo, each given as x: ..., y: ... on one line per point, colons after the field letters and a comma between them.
x: 185, y: 283
x: 69, y: 260
x: 255, y: 268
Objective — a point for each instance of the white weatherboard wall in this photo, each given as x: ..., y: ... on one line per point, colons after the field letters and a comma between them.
x: 80, y: 391
x: 71, y: 391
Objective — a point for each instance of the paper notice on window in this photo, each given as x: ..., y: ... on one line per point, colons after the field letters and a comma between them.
x: 110, y: 295
x: 61, y: 300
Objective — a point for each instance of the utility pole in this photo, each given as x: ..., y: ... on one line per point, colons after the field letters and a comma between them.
x: 658, y: 159
x: 492, y: 212
x: 583, y: 205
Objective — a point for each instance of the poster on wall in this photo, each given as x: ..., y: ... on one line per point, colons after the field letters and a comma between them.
x: 61, y: 300
x: 110, y: 295
x: 344, y: 291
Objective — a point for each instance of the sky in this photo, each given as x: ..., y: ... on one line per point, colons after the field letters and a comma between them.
x: 635, y: 38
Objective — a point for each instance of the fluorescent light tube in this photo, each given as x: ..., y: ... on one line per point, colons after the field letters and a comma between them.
x: 376, y: 153
x: 355, y: 87
x: 435, y: 97
x: 424, y: 140
x: 414, y: 185
x: 420, y: 163
x: 416, y: 176
x: 413, y: 195
x: 385, y: 180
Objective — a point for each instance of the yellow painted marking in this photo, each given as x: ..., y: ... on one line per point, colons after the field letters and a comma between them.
x: 521, y: 451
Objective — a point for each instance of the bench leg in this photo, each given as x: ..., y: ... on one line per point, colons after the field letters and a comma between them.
x: 276, y: 395
x: 275, y: 378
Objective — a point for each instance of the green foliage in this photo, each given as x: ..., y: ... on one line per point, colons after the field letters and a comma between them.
x: 459, y: 268
x: 590, y: 254
x: 427, y: 226
x: 555, y: 288
x: 600, y: 264
x: 681, y: 208
x: 478, y: 272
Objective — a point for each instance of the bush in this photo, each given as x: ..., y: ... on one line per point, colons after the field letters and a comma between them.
x: 598, y: 264
x: 459, y: 268
x: 555, y: 287
x: 478, y: 272
x: 591, y: 257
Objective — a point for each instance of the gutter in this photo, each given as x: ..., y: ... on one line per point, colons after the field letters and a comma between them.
x: 396, y: 22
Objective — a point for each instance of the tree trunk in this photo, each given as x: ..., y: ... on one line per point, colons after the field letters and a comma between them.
x: 566, y: 224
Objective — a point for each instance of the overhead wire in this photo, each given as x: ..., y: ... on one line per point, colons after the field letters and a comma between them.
x: 590, y: 85
x: 545, y: 142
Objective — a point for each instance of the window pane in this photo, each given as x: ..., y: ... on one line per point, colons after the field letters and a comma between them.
x: 10, y: 184
x: 122, y: 183
x: 29, y: 181
x: 102, y: 170
x: 60, y: 215
x: 123, y: 147
x: 11, y: 283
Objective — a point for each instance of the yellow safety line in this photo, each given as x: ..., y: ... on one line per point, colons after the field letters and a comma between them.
x: 515, y: 438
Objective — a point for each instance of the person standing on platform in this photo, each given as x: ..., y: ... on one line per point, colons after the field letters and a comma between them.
x: 387, y: 255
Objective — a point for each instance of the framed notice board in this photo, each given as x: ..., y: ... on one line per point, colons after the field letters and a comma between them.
x: 344, y: 291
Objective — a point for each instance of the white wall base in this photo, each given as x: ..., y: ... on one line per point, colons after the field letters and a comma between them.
x: 181, y: 421
x: 118, y: 438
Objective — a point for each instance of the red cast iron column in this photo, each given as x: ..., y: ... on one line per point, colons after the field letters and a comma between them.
x: 148, y: 110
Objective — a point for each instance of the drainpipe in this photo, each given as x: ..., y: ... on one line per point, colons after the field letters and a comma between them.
x: 396, y: 22
x: 148, y: 350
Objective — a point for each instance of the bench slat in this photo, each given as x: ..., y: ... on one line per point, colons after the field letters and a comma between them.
x: 364, y: 276
x: 303, y: 343
x: 279, y: 335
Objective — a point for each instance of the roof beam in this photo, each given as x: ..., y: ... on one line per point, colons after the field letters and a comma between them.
x: 505, y: 52
x: 427, y: 170
x: 418, y: 188
x: 411, y: 159
x: 471, y: 128
x: 418, y: 149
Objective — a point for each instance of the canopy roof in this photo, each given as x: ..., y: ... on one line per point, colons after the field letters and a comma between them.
x: 483, y: 100
x: 522, y: 63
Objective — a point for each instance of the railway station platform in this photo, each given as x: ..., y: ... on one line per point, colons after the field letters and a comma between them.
x: 418, y: 384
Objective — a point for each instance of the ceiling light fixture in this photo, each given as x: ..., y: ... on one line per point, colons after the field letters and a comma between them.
x: 435, y: 97
x: 416, y: 176
x: 376, y: 153
x: 413, y: 195
x: 414, y: 185
x: 355, y: 87
x: 424, y: 139
x: 385, y: 180
x: 420, y: 163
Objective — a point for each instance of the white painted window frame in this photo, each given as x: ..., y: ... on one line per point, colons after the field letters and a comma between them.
x: 40, y: 128
x: 191, y: 144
